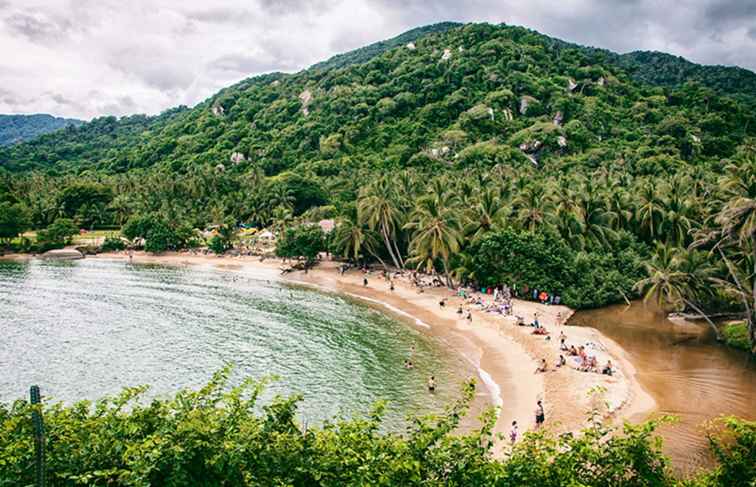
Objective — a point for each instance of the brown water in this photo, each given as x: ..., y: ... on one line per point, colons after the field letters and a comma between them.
x: 686, y: 371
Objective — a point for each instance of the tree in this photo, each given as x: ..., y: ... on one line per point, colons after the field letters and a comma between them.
x: 436, y: 233
x: 350, y: 238
x: 58, y: 234
x: 79, y: 194
x: 377, y: 209
x: 14, y: 220
x: 303, y: 241
x: 736, y: 228
x: 677, y: 278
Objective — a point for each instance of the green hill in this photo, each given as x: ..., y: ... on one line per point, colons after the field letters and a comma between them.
x: 20, y: 128
x: 365, y: 54
x: 404, y: 105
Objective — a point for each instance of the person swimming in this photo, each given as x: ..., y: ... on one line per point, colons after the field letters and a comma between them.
x: 431, y: 384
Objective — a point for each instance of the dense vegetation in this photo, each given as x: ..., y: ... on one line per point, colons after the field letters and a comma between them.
x: 223, y: 436
x: 451, y: 155
x: 20, y: 128
x: 366, y: 53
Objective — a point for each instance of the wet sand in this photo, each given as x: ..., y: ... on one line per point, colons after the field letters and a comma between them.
x: 504, y: 354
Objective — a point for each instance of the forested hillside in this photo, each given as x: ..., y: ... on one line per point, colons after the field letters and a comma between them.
x: 20, y: 128
x: 480, y: 152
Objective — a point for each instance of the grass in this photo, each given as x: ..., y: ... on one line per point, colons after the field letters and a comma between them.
x: 736, y: 335
x: 94, y: 237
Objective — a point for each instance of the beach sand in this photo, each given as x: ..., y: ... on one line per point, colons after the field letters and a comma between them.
x: 505, y: 355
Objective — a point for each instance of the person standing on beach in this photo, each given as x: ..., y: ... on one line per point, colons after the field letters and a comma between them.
x: 513, y: 433
x: 391, y: 286
x: 364, y: 281
x: 540, y: 416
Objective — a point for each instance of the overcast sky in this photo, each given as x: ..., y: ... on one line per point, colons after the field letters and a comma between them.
x: 86, y: 58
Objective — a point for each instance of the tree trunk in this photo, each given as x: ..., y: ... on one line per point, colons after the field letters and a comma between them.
x: 449, y: 281
x: 708, y: 320
x: 398, y: 255
x: 387, y: 241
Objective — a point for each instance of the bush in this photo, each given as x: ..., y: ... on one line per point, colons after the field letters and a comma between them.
x: 736, y: 335
x: 112, y: 244
x: 223, y: 436
x: 305, y: 241
x: 733, y: 442
x: 218, y: 244
x: 157, y: 233
x: 57, y: 235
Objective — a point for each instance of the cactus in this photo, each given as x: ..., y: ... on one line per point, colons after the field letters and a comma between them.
x: 39, y: 436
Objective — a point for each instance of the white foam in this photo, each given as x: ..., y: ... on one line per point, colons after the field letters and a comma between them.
x: 393, y: 309
x: 493, y: 387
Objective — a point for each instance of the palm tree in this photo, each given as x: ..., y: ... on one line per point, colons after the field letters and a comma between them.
x: 485, y: 214
x: 350, y: 238
x: 533, y: 206
x: 377, y: 209
x: 737, y: 226
x: 282, y: 218
x: 650, y: 210
x: 280, y: 196
x: 676, y: 278
x: 437, y: 233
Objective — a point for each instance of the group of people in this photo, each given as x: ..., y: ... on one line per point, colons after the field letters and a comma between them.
x: 584, y: 362
x: 503, y: 303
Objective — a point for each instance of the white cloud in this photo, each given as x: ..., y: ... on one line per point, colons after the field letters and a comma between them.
x: 85, y: 58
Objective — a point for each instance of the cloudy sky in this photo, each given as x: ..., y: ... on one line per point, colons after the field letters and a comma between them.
x: 85, y: 58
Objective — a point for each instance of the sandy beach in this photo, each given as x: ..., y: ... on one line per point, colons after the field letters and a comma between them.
x: 505, y: 355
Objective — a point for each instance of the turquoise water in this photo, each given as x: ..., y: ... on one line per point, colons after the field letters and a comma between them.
x: 84, y: 329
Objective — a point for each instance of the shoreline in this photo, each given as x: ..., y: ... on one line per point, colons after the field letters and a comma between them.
x: 504, y: 355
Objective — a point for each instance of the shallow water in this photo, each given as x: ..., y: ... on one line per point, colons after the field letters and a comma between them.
x: 685, y: 370
x: 84, y: 329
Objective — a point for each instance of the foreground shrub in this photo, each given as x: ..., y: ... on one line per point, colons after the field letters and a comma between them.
x: 223, y: 436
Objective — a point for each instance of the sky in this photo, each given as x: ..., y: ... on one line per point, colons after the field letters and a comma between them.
x: 88, y: 58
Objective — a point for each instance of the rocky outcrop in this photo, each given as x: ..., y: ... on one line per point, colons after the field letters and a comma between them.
x: 237, y: 157
x: 218, y: 110
x: 446, y: 55
x: 525, y: 102
x: 411, y: 46
x: 558, y: 117
x: 63, y: 254
x: 531, y: 147
x: 220, y: 168
x: 562, y: 141
x: 508, y: 115
x: 571, y: 85
x: 306, y: 98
